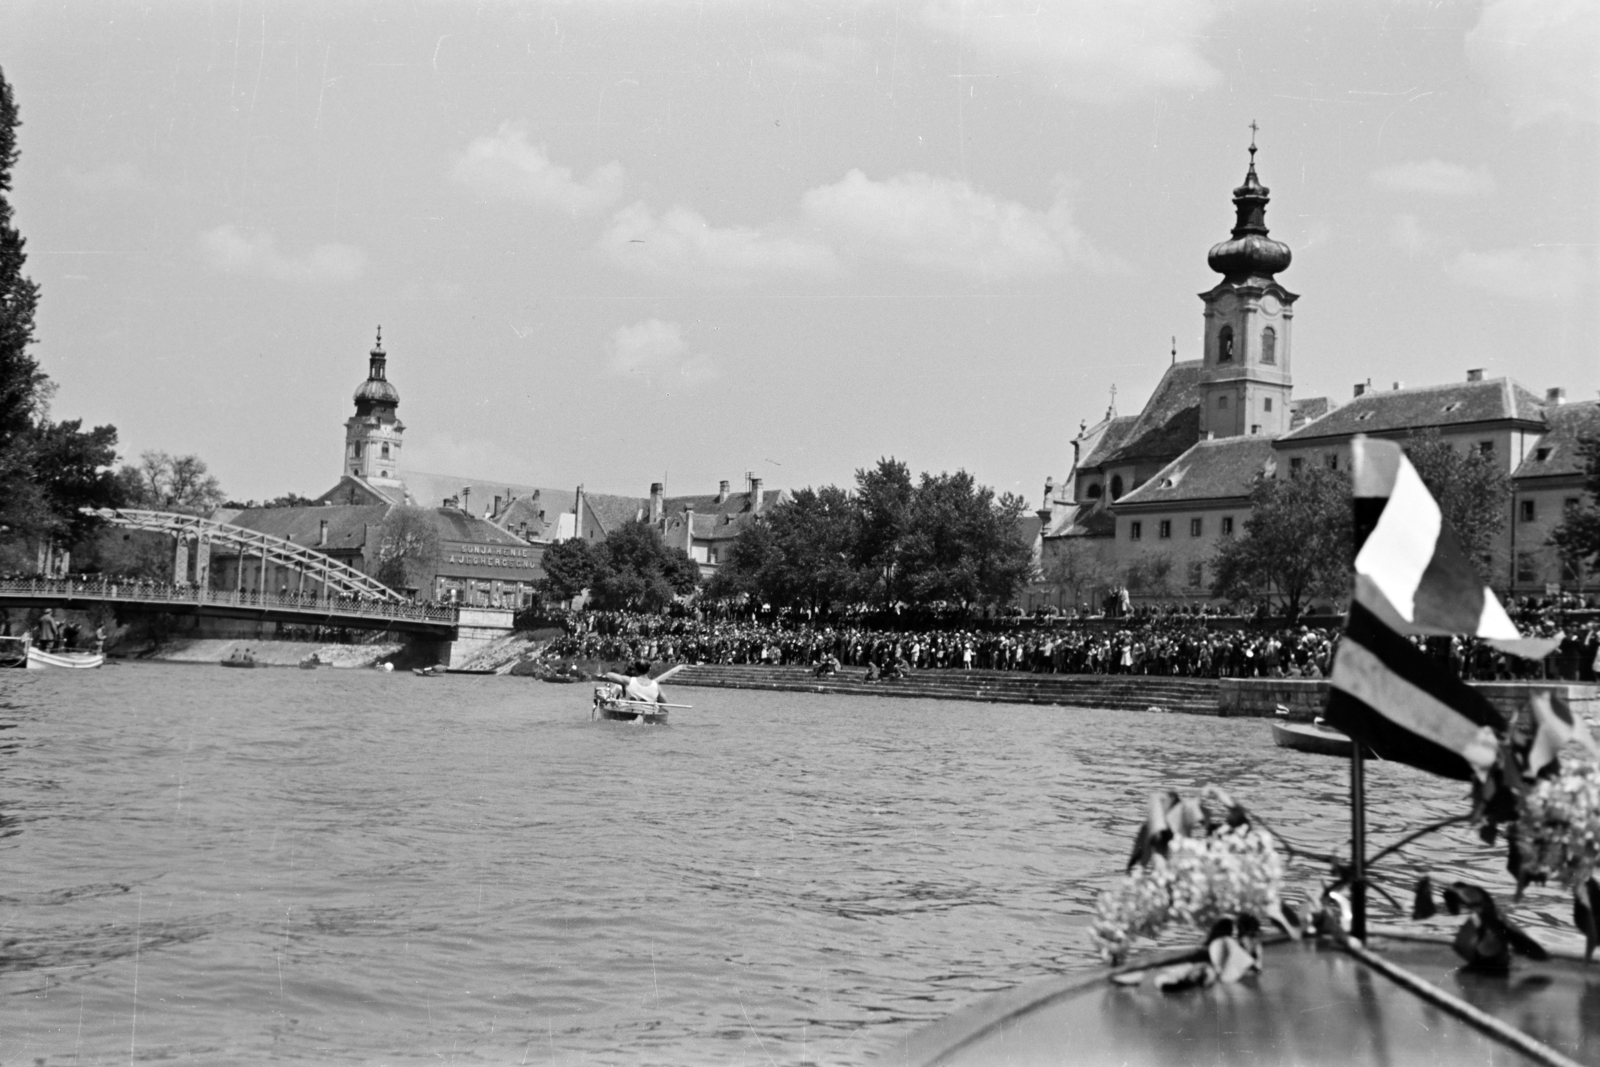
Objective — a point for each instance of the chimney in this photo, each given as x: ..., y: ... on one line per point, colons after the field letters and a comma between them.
x: 688, y: 532
x: 1555, y: 396
x: 1475, y: 375
x: 322, y: 532
x: 496, y: 506
x: 657, y: 505
x: 755, y: 495
x: 1399, y: 386
x: 1361, y: 388
x: 466, y: 499
x: 722, y: 491
x: 1049, y: 490
x: 577, y: 513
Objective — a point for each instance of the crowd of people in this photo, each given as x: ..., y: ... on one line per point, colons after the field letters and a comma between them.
x: 1155, y: 644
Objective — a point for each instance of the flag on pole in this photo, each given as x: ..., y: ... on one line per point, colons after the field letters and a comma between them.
x: 1556, y: 724
x: 1412, y: 577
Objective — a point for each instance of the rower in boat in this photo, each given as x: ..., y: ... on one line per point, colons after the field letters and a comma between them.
x: 637, y: 683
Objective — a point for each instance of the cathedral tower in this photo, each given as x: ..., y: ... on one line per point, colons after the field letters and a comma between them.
x: 1248, y: 315
x: 372, y: 434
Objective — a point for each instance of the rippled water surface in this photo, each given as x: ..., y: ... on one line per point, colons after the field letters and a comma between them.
x: 233, y: 866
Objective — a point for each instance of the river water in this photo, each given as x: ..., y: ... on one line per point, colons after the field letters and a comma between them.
x: 205, y: 865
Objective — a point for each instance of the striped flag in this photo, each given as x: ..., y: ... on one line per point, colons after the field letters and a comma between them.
x: 1412, y: 577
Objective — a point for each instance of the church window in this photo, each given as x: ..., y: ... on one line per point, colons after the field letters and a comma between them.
x: 1222, y: 403
x: 1269, y: 345
x: 1266, y: 404
x: 358, y: 449
x: 1095, y: 491
x: 1116, y: 487
x: 386, y: 450
x: 1225, y: 345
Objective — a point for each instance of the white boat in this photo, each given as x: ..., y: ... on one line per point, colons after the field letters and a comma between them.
x: 39, y: 660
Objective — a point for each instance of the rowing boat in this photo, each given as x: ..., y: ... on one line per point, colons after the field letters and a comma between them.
x: 1311, y: 737
x: 39, y: 660
x: 609, y: 703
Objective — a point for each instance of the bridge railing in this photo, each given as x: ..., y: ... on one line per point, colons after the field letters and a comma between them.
x: 132, y: 590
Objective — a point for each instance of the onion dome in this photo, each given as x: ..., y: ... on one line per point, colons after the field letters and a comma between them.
x: 376, y: 389
x: 1251, y: 253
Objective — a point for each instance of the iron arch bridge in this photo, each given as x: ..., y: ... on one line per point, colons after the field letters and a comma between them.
x: 327, y: 592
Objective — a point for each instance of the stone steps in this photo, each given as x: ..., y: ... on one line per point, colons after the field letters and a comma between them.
x: 1118, y: 692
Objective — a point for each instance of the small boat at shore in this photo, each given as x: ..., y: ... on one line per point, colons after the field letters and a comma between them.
x: 1316, y: 1001
x: 40, y: 660
x: 244, y: 660
x: 1311, y: 737
x: 427, y: 672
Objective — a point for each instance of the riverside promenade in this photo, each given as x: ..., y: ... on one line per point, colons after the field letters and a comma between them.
x: 1300, y: 699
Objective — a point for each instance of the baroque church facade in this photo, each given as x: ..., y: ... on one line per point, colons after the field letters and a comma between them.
x: 1152, y: 496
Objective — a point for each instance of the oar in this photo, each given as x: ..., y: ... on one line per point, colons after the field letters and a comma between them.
x: 669, y: 672
x: 646, y: 703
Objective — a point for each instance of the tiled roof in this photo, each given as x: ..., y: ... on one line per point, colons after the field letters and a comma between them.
x: 1084, y: 520
x: 354, y: 490
x: 614, y: 512
x: 1211, y: 470
x: 1303, y: 411
x: 347, y: 524
x: 1456, y: 404
x: 1556, y: 453
x: 1112, y: 432
x: 1170, y: 421
x: 431, y: 490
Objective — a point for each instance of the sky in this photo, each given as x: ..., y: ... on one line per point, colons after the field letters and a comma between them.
x: 613, y: 242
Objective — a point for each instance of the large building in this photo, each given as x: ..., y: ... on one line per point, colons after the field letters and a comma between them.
x: 1151, y: 496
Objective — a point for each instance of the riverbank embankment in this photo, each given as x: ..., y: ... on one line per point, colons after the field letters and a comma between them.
x: 275, y: 653
x: 1299, y: 699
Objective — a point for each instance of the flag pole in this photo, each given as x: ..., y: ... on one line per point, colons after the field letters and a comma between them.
x: 1358, y: 845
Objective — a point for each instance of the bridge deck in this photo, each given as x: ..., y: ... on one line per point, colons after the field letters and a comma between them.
x: 299, y: 609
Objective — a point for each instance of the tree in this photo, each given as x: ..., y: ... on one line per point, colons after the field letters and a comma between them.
x: 1073, y: 565
x: 1149, y: 575
x: 569, y: 568
x: 1297, y: 543
x: 748, y: 567
x: 24, y: 388
x: 162, y: 482
x: 813, y: 536
x: 961, y: 545
x: 637, y: 572
x: 1473, y: 491
x: 408, y: 549
x: 287, y: 500
x: 73, y: 473
x: 883, y: 497
x: 1578, y: 537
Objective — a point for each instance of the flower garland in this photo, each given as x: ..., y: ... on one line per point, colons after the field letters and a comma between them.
x: 1193, y: 871
x: 1558, y: 829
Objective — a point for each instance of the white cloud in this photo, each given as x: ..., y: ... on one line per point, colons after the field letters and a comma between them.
x: 112, y: 178
x: 655, y: 349
x: 1540, y: 273
x: 228, y: 249
x: 506, y: 167
x: 946, y: 225
x: 1094, y: 50
x: 681, y: 243
x: 1436, y: 177
x: 1539, y: 57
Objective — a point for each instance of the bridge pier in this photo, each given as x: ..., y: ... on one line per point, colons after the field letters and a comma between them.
x: 476, y: 629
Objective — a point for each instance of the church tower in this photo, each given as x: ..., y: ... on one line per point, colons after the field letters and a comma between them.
x: 372, y: 434
x: 1248, y: 342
